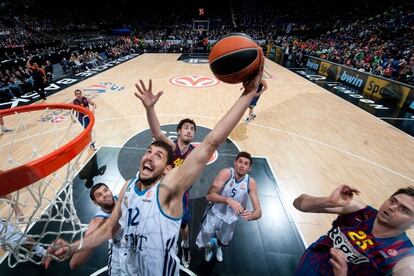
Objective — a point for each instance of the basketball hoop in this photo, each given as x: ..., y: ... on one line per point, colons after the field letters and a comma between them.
x: 43, y: 153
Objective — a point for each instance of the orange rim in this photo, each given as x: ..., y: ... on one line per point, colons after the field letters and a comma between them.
x: 24, y: 175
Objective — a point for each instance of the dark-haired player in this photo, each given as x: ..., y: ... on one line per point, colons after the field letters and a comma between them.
x: 182, y: 147
x: 228, y: 196
x: 102, y: 197
x: 362, y: 240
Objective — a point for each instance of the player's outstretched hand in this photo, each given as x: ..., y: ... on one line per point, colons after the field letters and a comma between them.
x: 59, y: 250
x: 253, y: 83
x: 343, y: 195
x: 148, y: 98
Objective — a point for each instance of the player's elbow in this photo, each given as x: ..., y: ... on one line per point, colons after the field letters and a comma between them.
x: 157, y: 134
x: 209, y: 197
x: 297, y: 203
x: 259, y: 214
x: 213, y: 140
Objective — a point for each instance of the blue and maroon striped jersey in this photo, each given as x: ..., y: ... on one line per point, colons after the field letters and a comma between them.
x: 366, y: 254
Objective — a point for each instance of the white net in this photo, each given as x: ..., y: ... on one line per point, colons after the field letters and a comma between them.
x: 34, y: 216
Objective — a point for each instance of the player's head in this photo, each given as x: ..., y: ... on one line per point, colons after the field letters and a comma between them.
x: 102, y: 196
x: 398, y: 210
x: 78, y: 93
x: 186, y: 129
x: 243, y: 163
x: 156, y: 162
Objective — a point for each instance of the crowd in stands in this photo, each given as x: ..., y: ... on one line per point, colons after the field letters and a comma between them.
x: 381, y: 43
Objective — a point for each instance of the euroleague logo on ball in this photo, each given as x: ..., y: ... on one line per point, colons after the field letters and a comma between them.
x: 194, y: 81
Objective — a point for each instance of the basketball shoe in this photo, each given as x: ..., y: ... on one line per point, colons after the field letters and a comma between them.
x: 208, y: 252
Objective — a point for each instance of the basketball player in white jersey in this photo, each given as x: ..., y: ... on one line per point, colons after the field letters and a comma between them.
x: 228, y: 198
x: 101, y: 196
x: 11, y: 236
x: 182, y: 147
x: 150, y: 207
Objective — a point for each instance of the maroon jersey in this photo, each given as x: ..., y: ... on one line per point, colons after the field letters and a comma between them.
x: 365, y: 254
x: 82, y: 102
x: 178, y: 156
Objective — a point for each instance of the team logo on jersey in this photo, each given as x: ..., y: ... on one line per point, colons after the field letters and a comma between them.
x: 148, y: 196
x: 194, y: 81
x: 392, y: 252
x: 103, y: 87
x: 243, y: 186
x: 126, y: 201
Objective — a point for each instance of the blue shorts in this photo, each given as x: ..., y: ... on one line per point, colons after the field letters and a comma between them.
x: 186, y: 210
x: 253, y: 102
x: 84, y: 120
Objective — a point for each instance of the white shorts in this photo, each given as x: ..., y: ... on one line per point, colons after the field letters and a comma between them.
x: 213, y: 225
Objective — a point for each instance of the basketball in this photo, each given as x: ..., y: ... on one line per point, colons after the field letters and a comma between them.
x: 235, y: 58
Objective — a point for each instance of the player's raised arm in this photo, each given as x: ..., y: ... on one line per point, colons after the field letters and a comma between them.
x: 149, y: 99
x: 62, y: 249
x: 340, y: 201
x: 180, y: 179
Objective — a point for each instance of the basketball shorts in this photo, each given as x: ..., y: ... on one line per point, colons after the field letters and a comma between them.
x: 213, y: 225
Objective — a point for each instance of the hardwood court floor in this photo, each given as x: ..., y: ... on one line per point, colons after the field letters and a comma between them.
x: 313, y: 139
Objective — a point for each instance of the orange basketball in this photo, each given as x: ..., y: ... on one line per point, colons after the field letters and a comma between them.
x: 235, y: 58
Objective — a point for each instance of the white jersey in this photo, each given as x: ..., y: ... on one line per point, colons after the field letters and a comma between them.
x: 149, y: 235
x: 239, y: 191
x: 114, y: 253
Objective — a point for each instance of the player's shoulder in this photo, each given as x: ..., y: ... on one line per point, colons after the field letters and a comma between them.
x: 226, y: 172
x: 404, y: 267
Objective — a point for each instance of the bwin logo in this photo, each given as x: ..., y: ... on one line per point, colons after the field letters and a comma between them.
x: 312, y: 65
x: 353, y: 80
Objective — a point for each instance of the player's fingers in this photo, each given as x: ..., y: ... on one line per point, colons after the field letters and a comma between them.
x: 139, y: 96
x: 139, y: 88
x: 150, y: 85
x: 334, y: 263
x: 59, y: 252
x: 143, y: 85
x: 47, y: 262
x: 159, y: 94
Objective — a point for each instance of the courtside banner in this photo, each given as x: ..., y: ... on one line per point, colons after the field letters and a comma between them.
x: 397, y: 93
x: 352, y: 77
x: 329, y: 70
x: 386, y: 89
x: 313, y: 63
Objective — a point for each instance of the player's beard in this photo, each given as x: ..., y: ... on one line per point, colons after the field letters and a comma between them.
x: 108, y: 207
x: 149, y: 181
